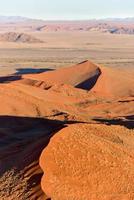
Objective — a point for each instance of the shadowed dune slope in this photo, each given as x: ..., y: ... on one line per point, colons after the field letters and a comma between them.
x: 21, y: 141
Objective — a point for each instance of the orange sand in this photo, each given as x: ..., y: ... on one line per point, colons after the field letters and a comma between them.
x: 88, y: 160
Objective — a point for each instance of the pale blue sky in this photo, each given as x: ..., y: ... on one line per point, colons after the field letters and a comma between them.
x: 67, y: 9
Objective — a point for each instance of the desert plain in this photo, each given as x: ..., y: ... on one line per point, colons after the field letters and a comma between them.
x: 66, y: 112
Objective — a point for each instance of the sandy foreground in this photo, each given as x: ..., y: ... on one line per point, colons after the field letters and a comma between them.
x: 67, y: 134
x: 66, y: 123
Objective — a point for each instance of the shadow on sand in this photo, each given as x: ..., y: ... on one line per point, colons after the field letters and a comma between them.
x: 22, y: 140
x: 21, y: 71
x: 89, y: 83
x: 126, y: 121
x: 25, y: 133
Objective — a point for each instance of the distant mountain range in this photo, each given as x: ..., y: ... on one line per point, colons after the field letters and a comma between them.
x: 15, y: 19
x: 8, y: 19
x: 109, y: 25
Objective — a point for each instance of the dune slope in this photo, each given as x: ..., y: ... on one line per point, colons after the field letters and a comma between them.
x: 115, y: 82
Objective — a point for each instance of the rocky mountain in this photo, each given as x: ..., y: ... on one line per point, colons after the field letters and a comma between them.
x: 18, y: 37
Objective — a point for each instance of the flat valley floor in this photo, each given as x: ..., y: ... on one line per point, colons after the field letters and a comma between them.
x: 62, y: 49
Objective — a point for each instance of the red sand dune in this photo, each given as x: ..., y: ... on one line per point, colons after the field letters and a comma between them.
x: 103, y: 81
x: 37, y: 106
x: 89, y: 162
x: 74, y: 75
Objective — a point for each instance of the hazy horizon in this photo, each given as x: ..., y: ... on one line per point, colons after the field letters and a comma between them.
x: 75, y: 19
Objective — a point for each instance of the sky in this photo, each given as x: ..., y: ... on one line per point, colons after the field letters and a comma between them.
x: 67, y: 9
